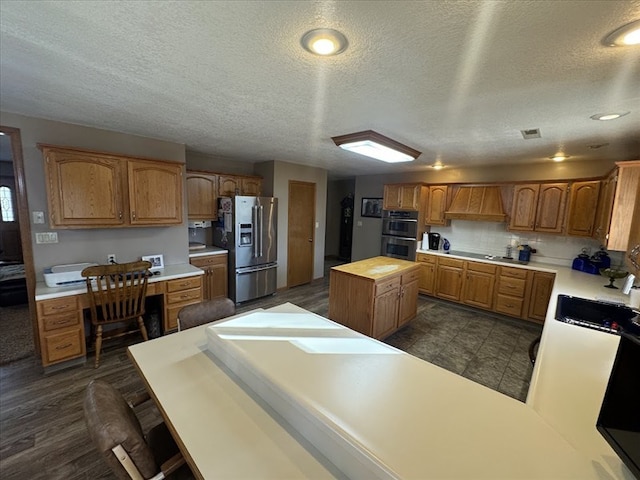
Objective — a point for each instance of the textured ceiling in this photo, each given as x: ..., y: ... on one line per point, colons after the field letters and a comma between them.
x: 456, y: 80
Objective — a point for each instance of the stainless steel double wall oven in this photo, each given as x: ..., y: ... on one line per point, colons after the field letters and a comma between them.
x: 400, y: 234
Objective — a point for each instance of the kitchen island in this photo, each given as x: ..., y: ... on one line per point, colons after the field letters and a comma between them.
x: 375, y: 296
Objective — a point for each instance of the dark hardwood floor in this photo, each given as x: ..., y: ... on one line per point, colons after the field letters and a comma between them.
x: 42, y: 430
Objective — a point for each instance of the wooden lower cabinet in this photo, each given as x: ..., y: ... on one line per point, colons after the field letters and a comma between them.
x: 449, y: 278
x: 517, y: 292
x: 374, y: 305
x: 180, y: 293
x: 215, y: 280
x: 479, y: 285
x: 541, y: 288
x: 427, y: 281
x: 61, y: 330
x: 511, y: 294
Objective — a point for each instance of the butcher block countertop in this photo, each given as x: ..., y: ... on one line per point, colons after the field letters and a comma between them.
x: 376, y: 268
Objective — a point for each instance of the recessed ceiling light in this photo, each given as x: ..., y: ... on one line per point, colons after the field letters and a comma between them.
x: 377, y: 146
x: 624, y: 36
x: 324, y: 42
x: 438, y: 165
x: 609, y: 116
x: 559, y: 157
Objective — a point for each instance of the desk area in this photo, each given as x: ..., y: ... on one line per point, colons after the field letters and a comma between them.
x: 60, y: 316
x: 415, y: 419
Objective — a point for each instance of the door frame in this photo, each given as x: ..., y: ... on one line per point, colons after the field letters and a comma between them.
x: 25, y: 227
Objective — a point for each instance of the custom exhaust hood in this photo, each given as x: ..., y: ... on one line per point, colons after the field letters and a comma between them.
x: 477, y: 202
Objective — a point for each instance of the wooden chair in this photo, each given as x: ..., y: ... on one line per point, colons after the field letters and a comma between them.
x: 117, y: 295
x: 205, y: 312
x: 117, y: 434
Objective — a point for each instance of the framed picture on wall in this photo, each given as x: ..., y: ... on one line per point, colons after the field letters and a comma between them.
x: 157, y: 262
x: 371, y: 207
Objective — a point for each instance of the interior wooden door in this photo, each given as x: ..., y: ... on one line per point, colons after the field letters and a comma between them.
x: 301, y: 216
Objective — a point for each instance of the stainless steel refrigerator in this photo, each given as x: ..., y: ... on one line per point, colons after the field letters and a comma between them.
x: 248, y: 232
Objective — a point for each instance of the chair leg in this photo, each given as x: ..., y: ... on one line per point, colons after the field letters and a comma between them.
x: 98, y: 344
x: 143, y: 329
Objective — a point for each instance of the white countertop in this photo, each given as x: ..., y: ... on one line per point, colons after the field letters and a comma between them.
x: 378, y: 412
x: 573, y: 364
x: 204, y: 252
x: 169, y: 272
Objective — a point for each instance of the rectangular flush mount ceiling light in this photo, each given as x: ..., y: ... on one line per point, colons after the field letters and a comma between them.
x: 377, y: 146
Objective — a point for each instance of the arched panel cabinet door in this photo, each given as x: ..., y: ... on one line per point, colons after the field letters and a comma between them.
x: 583, y: 202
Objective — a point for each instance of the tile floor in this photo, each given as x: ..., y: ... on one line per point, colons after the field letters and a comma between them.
x: 488, y: 349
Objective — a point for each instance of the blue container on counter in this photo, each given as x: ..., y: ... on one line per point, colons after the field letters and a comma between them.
x: 524, y: 254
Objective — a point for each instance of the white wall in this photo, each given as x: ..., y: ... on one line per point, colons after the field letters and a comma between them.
x: 93, y: 245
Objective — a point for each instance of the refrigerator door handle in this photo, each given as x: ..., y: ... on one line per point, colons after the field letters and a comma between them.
x: 260, y: 226
x: 245, y: 270
x: 254, y: 211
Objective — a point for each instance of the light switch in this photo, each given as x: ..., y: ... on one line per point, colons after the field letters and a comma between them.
x: 38, y: 217
x: 359, y: 223
x: 317, y: 224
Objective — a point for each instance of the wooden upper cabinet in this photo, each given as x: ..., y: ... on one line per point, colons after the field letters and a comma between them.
x: 523, y: 209
x: 551, y: 207
x: 437, y: 205
x: 582, y: 208
x: 251, y: 186
x: 232, y: 185
x: 605, y: 208
x: 228, y: 185
x: 96, y: 190
x: 404, y: 196
x: 155, y: 193
x: 538, y: 207
x: 84, y: 190
x: 202, y: 194
x: 624, y: 225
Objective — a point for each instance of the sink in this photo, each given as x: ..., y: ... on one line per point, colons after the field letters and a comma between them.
x: 604, y: 316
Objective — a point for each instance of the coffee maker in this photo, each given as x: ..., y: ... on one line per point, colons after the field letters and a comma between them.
x: 434, y: 241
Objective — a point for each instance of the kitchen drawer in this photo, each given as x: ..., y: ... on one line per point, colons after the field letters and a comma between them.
x: 423, y: 257
x: 209, y: 261
x: 63, y: 346
x: 58, y: 305
x: 155, y: 288
x: 509, y: 305
x: 512, y: 286
x: 482, y: 267
x: 55, y: 322
x: 184, y: 296
x: 412, y: 276
x: 183, y: 284
x: 387, y: 285
x: 513, y: 272
x: 450, y: 262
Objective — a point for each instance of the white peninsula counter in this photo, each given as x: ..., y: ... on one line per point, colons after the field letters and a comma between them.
x: 374, y: 411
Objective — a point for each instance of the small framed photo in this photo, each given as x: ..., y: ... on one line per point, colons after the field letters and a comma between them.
x: 157, y: 262
x: 371, y: 207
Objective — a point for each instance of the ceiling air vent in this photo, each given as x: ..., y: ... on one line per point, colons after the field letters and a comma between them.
x: 531, y: 133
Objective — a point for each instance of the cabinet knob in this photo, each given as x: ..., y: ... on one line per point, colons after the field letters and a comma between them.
x: 120, y: 215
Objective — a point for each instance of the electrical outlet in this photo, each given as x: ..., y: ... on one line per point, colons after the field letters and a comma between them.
x: 111, y: 258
